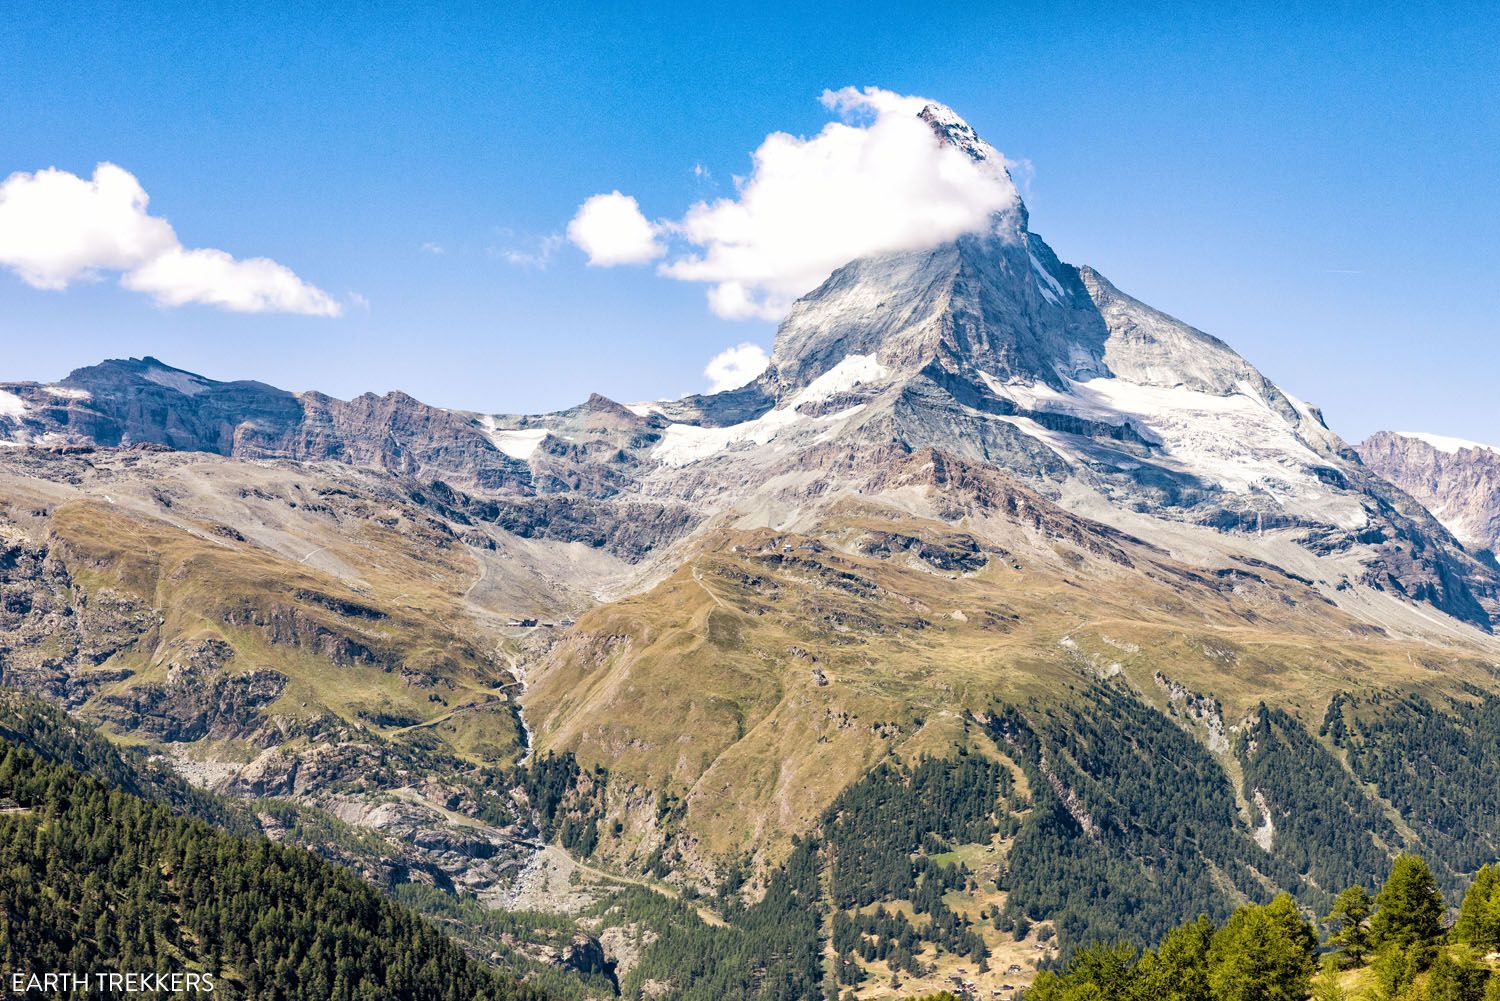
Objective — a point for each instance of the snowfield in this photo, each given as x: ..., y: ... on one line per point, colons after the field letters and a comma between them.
x: 682, y: 444
x: 518, y: 443
x: 183, y: 382
x: 12, y: 405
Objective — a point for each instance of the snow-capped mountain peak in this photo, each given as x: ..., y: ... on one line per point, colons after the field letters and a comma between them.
x: 948, y: 126
x: 990, y: 348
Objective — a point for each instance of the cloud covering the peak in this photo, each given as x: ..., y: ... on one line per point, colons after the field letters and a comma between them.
x: 57, y: 228
x: 877, y: 180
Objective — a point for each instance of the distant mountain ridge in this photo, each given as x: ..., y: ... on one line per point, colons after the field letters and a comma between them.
x: 127, y: 401
x: 1458, y: 480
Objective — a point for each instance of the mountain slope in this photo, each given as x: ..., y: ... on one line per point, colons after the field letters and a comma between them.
x: 877, y: 632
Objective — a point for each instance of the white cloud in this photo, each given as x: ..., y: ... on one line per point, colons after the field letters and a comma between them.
x: 433, y: 248
x: 534, y: 260
x: 212, y: 277
x: 736, y: 366
x: 57, y: 228
x: 612, y: 230
x: 877, y: 181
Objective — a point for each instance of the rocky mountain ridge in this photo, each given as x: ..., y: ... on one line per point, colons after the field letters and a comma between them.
x: 1459, y: 481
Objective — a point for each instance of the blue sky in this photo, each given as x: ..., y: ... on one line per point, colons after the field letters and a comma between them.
x: 1319, y: 190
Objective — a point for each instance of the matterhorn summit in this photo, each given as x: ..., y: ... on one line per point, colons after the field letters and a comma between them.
x: 991, y: 348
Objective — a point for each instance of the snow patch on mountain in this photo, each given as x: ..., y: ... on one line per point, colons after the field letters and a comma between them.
x: 518, y: 443
x: 1236, y: 441
x: 184, y: 382
x: 12, y: 405
x: 68, y: 393
x: 682, y: 444
x: 1051, y: 290
x: 854, y: 370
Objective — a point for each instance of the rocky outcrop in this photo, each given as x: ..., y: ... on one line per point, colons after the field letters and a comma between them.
x: 402, y: 435
x: 623, y: 946
x: 54, y: 633
x: 1458, y: 481
x: 195, y: 704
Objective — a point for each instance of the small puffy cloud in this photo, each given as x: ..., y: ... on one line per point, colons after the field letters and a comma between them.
x: 879, y: 180
x: 57, y: 228
x: 735, y: 367
x: 612, y: 230
x: 433, y: 248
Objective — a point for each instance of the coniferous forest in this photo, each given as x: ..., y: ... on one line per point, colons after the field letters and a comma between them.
x: 98, y: 879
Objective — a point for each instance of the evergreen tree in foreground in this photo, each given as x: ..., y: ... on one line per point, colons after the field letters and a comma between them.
x: 1479, y: 916
x: 1263, y: 954
x: 1347, y: 924
x: 1409, y: 908
x: 1177, y: 969
x: 1458, y: 976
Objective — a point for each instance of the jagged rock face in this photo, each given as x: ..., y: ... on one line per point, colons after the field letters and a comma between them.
x: 1458, y: 481
x: 51, y: 636
x: 974, y: 304
x: 400, y: 434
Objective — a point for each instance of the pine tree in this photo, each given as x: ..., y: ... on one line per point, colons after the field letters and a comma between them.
x: 1327, y: 988
x: 1479, y: 916
x: 1395, y: 968
x: 1457, y: 976
x: 1409, y: 908
x: 1346, y: 923
x: 1263, y: 954
x: 1177, y: 969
